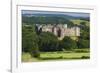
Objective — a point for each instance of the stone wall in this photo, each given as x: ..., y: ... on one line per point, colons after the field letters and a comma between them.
x: 61, y: 30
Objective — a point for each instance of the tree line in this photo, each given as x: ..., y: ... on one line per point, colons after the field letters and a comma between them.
x: 46, y: 20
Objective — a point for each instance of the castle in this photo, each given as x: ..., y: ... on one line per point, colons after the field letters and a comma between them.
x: 60, y: 30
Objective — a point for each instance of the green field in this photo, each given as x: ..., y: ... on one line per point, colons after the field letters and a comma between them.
x: 47, y: 56
x: 78, y: 21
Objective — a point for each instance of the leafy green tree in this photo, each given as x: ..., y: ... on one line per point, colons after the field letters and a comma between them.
x: 29, y: 39
x: 48, y: 42
x: 84, y: 35
x: 83, y: 23
x: 84, y: 39
x: 68, y: 44
x: 83, y: 43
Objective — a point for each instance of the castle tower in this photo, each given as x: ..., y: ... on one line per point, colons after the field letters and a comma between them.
x: 65, y: 26
x: 77, y: 30
x: 54, y: 30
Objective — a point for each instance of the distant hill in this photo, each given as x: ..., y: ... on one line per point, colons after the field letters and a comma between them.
x: 50, y: 19
x: 55, y: 15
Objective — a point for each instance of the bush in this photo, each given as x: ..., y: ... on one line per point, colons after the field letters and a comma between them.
x: 35, y: 53
x: 85, y: 57
x: 61, y: 57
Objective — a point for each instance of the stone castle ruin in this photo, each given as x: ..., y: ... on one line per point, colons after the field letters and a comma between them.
x: 60, y: 30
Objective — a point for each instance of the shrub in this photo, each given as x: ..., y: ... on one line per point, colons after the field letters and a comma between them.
x: 35, y: 53
x: 85, y: 57
x: 61, y: 57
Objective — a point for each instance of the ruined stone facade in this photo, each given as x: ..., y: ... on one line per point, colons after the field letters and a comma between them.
x: 60, y: 30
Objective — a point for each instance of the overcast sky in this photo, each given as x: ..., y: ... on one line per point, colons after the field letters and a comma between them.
x: 50, y: 12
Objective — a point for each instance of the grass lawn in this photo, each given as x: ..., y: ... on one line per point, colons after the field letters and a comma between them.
x: 46, y: 56
x: 63, y: 55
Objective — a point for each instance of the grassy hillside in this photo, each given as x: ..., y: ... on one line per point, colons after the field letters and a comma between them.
x: 78, y: 21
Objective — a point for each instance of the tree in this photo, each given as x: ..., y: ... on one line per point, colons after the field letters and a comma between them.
x: 84, y: 39
x: 48, y: 42
x: 83, y: 23
x: 67, y: 43
x: 82, y: 43
x: 46, y: 20
x: 29, y: 39
x: 84, y: 35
